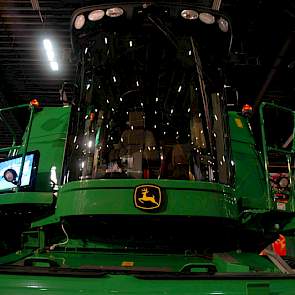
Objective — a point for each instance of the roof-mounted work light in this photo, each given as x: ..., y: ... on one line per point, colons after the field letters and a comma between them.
x: 207, y: 18
x: 114, y: 12
x: 79, y: 22
x: 96, y: 15
x: 189, y: 14
x: 223, y: 24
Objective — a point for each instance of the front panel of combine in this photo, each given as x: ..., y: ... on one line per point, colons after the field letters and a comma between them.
x: 150, y: 136
x: 145, y: 194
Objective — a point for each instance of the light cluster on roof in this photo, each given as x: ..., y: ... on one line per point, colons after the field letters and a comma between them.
x: 188, y: 14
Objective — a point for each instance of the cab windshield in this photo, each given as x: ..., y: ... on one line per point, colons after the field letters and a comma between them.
x: 151, y: 103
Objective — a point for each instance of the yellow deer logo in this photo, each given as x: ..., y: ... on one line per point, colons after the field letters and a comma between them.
x: 146, y: 198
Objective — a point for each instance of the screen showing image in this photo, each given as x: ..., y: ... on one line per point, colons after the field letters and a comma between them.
x: 15, y: 164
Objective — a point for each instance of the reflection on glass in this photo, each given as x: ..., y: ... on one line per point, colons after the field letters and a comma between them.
x: 152, y: 106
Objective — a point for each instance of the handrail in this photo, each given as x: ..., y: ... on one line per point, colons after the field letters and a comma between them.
x: 8, y: 149
x: 265, y: 150
x: 25, y: 139
x: 265, y: 157
x: 271, y: 149
x: 25, y: 144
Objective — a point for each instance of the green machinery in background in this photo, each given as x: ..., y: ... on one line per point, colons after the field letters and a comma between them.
x: 145, y: 183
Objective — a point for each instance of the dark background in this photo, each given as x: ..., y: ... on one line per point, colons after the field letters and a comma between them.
x: 262, y: 62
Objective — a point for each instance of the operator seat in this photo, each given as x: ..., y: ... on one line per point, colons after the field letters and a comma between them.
x: 138, y: 146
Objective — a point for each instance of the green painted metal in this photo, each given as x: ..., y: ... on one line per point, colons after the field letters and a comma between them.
x: 123, y: 284
x: 115, y: 197
x: 48, y: 136
x: 46, y: 133
x: 18, y: 198
x: 242, y: 262
x: 231, y: 262
x: 33, y: 239
x: 14, y: 257
x: 251, y: 180
x: 136, y: 261
x: 102, y: 196
x: 130, y: 273
x: 250, y: 184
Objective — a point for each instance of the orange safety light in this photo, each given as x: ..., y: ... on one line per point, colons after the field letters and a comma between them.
x: 247, y: 108
x: 34, y: 102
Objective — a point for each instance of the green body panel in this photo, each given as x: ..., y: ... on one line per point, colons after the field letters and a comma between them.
x: 159, y: 262
x: 131, y: 273
x: 242, y: 262
x: 116, y: 197
x: 48, y: 135
x: 162, y: 262
x: 26, y: 198
x: 250, y: 182
x: 122, y: 284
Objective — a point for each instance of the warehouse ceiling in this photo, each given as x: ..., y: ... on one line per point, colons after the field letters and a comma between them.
x: 262, y: 63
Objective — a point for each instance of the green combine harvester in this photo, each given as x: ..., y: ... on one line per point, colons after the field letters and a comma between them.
x: 145, y: 183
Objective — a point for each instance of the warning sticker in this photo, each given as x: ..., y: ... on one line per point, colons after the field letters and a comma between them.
x: 239, y: 123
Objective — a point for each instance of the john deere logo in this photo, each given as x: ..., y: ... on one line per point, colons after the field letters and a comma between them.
x: 147, y: 197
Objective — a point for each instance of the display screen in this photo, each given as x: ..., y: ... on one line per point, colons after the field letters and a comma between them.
x: 14, y: 163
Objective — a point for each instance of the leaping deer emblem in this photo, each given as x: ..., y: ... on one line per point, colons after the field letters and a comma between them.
x: 146, y: 198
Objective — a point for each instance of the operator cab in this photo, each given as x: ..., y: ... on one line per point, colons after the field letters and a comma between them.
x: 151, y: 102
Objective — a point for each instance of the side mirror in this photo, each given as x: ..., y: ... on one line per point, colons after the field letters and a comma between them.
x: 10, y: 175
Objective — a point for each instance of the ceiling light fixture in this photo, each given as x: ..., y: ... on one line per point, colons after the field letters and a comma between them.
x: 54, y: 66
x: 50, y: 54
x: 49, y: 49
